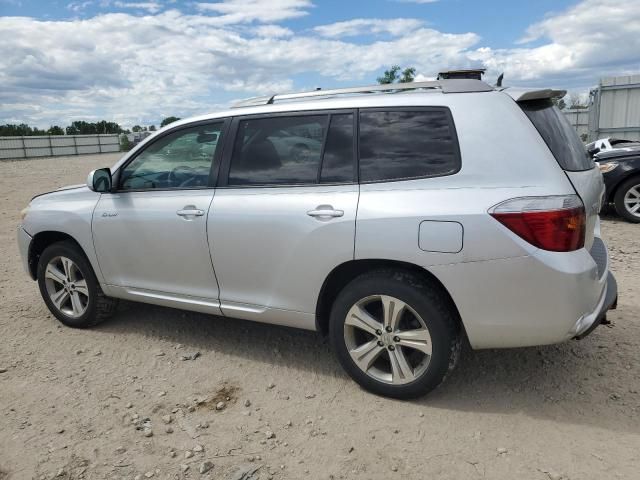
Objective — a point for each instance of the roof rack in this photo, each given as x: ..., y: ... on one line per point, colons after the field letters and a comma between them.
x: 446, y: 86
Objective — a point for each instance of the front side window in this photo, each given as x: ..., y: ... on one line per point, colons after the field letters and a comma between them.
x: 278, y: 150
x: 181, y: 159
x: 405, y: 144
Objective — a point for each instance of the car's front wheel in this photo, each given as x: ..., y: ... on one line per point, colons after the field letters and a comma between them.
x: 70, y: 288
x: 627, y: 200
x: 395, y: 333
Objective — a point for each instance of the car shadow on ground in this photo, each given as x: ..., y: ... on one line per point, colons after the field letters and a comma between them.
x: 549, y: 382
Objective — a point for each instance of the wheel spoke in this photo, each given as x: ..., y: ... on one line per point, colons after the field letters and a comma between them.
x: 635, y: 208
x: 358, y: 317
x: 59, y: 298
x: 76, y: 304
x: 634, y: 191
x: 400, y: 369
x: 418, y: 339
x: 393, y: 309
x: 366, y: 354
x: 55, y: 274
x: 68, y: 267
x: 81, y: 287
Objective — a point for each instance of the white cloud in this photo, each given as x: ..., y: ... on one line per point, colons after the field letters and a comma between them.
x: 592, y: 39
x: 265, y: 11
x: 78, y: 7
x: 272, y: 31
x: 151, y: 7
x: 136, y: 69
x: 417, y: 1
x: 364, y: 26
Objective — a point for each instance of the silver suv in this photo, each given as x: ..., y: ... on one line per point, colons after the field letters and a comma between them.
x: 400, y: 220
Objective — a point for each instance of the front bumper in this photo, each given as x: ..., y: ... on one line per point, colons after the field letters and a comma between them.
x: 609, y: 301
x: 24, y: 241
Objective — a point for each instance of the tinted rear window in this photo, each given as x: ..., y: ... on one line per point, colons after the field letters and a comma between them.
x: 399, y: 144
x: 559, y: 135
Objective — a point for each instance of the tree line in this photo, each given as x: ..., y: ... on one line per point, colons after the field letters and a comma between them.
x: 78, y: 127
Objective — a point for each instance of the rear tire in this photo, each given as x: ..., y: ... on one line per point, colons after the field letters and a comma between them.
x: 627, y: 198
x: 413, y: 346
x: 69, y: 287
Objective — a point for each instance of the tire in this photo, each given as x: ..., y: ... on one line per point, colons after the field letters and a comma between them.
x: 425, y: 307
x: 627, y: 197
x: 65, y: 274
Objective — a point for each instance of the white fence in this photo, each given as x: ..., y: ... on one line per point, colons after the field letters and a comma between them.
x: 615, y: 108
x: 53, y: 145
x: 579, y: 119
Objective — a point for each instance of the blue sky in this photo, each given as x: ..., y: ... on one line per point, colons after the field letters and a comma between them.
x: 137, y: 61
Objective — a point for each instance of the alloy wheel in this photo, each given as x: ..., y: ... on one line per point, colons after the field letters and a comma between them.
x: 67, y: 287
x: 387, y: 339
x: 632, y: 201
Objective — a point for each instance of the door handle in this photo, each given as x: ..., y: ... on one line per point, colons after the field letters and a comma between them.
x: 325, y: 211
x: 190, y: 212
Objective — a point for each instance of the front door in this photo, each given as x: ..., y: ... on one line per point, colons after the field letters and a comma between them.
x: 284, y: 215
x: 150, y: 235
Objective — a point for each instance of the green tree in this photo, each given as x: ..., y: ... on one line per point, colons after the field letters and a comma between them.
x: 396, y: 74
x: 168, y: 120
x: 408, y: 75
x: 152, y: 128
x: 136, y: 128
x: 55, y: 130
x: 11, y: 130
x: 125, y: 144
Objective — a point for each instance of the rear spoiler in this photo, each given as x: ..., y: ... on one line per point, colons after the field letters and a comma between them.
x: 526, y: 94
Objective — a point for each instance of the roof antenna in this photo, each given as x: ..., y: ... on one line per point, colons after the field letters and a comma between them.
x: 499, y: 81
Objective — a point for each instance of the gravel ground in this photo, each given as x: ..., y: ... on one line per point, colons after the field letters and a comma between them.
x: 121, y: 401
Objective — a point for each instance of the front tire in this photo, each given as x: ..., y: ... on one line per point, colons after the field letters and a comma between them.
x: 627, y: 200
x: 395, y: 334
x: 69, y: 287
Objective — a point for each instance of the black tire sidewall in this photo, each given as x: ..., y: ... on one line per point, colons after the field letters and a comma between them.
x: 619, y: 199
x: 69, y: 250
x: 426, y: 302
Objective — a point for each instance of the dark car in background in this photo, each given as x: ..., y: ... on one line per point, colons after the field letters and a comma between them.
x: 620, y: 168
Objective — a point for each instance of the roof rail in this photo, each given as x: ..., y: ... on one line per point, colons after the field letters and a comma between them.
x: 447, y: 86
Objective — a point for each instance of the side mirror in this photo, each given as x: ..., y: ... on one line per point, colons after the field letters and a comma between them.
x: 100, y: 180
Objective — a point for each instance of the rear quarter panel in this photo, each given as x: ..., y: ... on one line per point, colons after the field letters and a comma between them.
x: 503, y: 157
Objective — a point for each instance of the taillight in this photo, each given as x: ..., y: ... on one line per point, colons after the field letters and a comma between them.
x: 555, y: 223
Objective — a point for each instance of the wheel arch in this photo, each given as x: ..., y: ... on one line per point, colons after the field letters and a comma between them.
x: 344, y: 273
x: 42, y: 240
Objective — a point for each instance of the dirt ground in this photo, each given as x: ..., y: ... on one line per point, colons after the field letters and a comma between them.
x: 119, y: 401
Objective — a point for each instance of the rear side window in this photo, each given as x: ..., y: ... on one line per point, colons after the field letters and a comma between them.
x: 278, y: 150
x: 404, y: 144
x: 559, y: 135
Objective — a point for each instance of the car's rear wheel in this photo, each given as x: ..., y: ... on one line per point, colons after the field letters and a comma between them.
x: 395, y: 333
x: 627, y: 200
x: 70, y: 288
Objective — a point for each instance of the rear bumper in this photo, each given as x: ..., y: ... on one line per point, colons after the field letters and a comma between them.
x: 537, y: 299
x: 609, y: 301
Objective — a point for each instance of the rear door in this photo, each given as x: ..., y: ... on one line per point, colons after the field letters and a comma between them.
x: 284, y: 213
x: 564, y: 143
